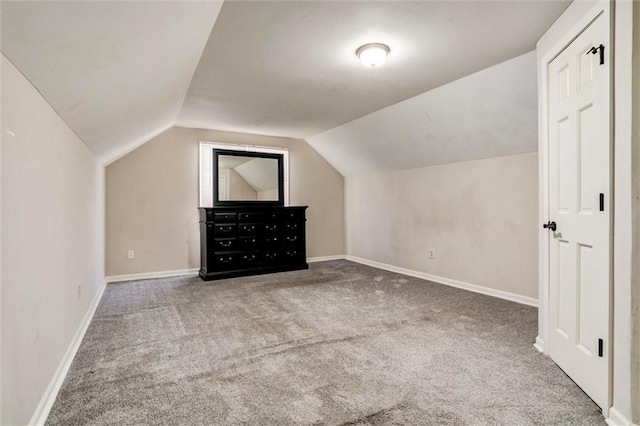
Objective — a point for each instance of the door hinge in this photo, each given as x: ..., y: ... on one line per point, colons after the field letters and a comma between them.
x: 601, y: 202
x: 600, y: 347
x: 595, y: 50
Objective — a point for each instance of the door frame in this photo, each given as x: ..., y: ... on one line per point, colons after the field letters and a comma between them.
x: 603, y: 7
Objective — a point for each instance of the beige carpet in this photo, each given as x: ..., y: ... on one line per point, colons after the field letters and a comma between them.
x: 338, y: 344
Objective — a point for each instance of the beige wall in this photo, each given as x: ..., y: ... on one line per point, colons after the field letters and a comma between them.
x: 635, y: 282
x: 480, y: 218
x: 269, y: 194
x: 152, y: 197
x: 239, y: 189
x: 52, y: 242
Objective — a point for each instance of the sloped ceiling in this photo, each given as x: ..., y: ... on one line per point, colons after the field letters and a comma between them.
x: 487, y: 114
x: 120, y: 73
x: 289, y: 68
x: 260, y: 173
x: 116, y: 72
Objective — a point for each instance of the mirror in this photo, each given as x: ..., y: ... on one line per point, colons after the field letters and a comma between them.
x: 247, y: 178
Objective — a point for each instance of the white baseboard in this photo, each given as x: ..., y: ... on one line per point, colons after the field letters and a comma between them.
x: 448, y: 281
x: 616, y: 418
x: 188, y: 272
x: 539, y: 344
x: 325, y: 258
x: 150, y: 275
x: 50, y: 394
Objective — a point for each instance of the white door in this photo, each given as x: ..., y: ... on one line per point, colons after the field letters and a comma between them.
x: 579, y: 172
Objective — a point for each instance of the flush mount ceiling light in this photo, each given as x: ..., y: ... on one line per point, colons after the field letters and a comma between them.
x: 373, y: 54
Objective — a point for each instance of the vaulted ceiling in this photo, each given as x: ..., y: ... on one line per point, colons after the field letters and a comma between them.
x: 116, y: 72
x: 289, y: 68
x: 119, y: 73
x: 487, y: 114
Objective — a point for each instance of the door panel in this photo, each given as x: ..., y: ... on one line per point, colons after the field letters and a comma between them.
x: 579, y: 170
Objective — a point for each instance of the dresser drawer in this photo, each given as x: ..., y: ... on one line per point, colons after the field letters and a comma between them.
x: 292, y: 226
x: 225, y: 217
x: 291, y: 240
x: 225, y: 244
x: 274, y: 241
x: 225, y: 230
x: 227, y: 261
x: 253, y: 217
x: 274, y: 217
x: 272, y: 257
x: 293, y: 255
x: 249, y: 243
x: 271, y: 228
x: 248, y: 228
x: 250, y: 259
x: 292, y: 215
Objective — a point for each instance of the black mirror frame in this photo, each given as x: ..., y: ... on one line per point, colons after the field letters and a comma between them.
x: 225, y: 203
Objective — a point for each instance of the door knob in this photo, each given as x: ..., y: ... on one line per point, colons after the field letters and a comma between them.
x: 550, y: 225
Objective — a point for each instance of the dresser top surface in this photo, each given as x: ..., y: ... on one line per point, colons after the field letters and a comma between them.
x: 251, y: 208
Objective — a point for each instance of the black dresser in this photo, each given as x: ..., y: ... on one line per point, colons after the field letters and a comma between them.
x: 238, y: 241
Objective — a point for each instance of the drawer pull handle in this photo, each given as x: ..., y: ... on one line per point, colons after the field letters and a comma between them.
x: 225, y: 243
x: 292, y: 238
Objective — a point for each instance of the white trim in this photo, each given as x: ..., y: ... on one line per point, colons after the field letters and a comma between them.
x: 448, y: 281
x: 543, y: 202
x: 623, y: 239
x: 325, y: 258
x: 150, y: 275
x: 247, y: 148
x: 49, y: 397
x: 616, y: 418
x: 539, y: 344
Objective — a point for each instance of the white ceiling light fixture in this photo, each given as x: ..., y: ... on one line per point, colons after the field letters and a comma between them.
x: 373, y: 54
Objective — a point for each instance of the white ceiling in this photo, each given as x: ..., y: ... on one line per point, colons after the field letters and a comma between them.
x: 289, y: 68
x: 487, y: 114
x: 116, y: 72
x: 119, y: 73
x: 231, y: 161
x: 261, y: 174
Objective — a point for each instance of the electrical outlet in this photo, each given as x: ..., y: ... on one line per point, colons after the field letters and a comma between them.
x: 130, y: 254
x: 432, y: 254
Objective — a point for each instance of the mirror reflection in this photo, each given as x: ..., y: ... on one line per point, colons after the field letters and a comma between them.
x: 247, y: 178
